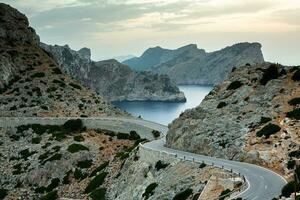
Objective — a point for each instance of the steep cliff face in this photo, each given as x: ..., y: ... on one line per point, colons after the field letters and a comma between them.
x: 190, y: 65
x: 245, y: 118
x: 113, y: 80
x: 31, y: 84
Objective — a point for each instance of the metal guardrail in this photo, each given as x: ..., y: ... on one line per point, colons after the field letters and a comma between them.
x: 193, y: 160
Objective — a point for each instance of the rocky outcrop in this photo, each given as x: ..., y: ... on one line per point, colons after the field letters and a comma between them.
x: 245, y: 118
x: 113, y: 80
x: 190, y: 65
x: 31, y: 83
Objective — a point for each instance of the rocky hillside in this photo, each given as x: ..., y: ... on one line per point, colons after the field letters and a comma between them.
x: 31, y: 83
x: 113, y: 80
x: 190, y: 65
x: 253, y: 116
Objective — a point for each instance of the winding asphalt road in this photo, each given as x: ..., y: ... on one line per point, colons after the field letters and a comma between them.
x: 263, y: 184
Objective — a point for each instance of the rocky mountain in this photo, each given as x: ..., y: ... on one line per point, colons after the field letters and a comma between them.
x: 31, y: 83
x: 113, y: 80
x: 190, y: 65
x: 252, y: 116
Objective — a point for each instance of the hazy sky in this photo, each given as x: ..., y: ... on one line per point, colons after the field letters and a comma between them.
x: 121, y: 27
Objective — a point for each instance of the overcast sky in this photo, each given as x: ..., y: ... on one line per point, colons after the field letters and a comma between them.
x: 121, y: 27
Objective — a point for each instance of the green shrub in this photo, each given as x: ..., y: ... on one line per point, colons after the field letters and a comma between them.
x: 296, y: 75
x: 264, y: 120
x: 50, y: 196
x: 17, y: 169
x: 26, y: 153
x: 294, y: 114
x: 73, y: 125
x: 224, y: 194
x: 295, y: 154
x: 269, y: 74
x: 75, y: 86
x: 52, y: 158
x: 73, y: 148
x: 221, y: 105
x: 289, y: 188
x: 122, y: 136
x: 234, y: 85
x: 97, y: 181
x: 54, y: 184
x: 85, y: 163
x: 36, y: 140
x: 38, y: 75
x: 56, y: 71
x: 291, y: 164
x: 149, y: 191
x: 79, y: 175
x: 98, y: 194
x: 66, y: 179
x: 183, y: 195
x: 295, y: 101
x: 122, y: 155
x: 3, y: 193
x: 98, y: 169
x: 155, y: 133
x: 202, y: 165
x: 268, y: 130
x: 78, y: 138
x: 160, y: 165
x: 134, y: 136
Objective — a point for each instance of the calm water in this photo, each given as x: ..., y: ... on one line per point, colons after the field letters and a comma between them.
x: 165, y: 112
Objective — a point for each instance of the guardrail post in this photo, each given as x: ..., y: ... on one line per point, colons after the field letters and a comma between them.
x: 175, y: 155
x: 212, y: 164
x: 222, y: 167
x: 183, y: 157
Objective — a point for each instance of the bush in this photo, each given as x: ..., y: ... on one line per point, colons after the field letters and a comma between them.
x: 221, y: 105
x: 234, y: 85
x: 160, y: 165
x: 85, y: 163
x: 75, y: 86
x: 56, y: 71
x: 98, y: 169
x: 269, y: 74
x: 36, y: 140
x: 264, y: 120
x: 134, y: 136
x: 79, y: 175
x: 38, y: 75
x: 98, y: 194
x: 54, y: 183
x: 123, y: 136
x: 296, y: 75
x: 52, y: 158
x: 155, y: 133
x: 224, y: 194
x: 268, y: 130
x: 73, y: 148
x: 78, y: 138
x: 96, y: 182
x: 202, y: 165
x: 295, y: 101
x: 26, y: 153
x: 50, y: 196
x: 289, y: 188
x: 291, y: 164
x: 66, y: 179
x: 73, y: 125
x: 295, y: 154
x: 294, y: 114
x: 183, y: 195
x: 3, y: 193
x: 149, y: 191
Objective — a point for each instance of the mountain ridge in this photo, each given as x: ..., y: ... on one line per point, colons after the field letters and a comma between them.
x: 190, y: 65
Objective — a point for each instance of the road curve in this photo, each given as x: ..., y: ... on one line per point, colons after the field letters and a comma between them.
x: 263, y: 184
